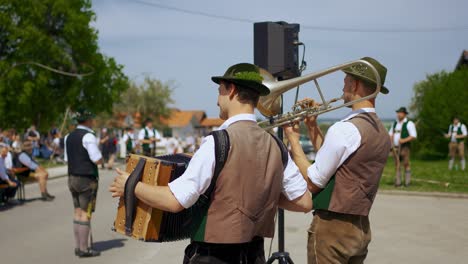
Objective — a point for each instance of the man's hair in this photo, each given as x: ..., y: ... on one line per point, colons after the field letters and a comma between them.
x: 369, y: 87
x: 247, y: 96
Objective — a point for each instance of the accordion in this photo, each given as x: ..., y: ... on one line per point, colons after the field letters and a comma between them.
x: 140, y: 221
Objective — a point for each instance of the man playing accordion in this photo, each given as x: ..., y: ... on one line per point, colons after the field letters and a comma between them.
x: 258, y: 177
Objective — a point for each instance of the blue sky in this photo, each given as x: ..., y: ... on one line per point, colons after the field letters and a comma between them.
x: 186, y: 42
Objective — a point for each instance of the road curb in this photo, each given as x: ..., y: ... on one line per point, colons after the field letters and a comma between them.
x: 425, y: 194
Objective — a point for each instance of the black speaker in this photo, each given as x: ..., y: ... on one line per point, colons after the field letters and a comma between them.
x: 276, y: 49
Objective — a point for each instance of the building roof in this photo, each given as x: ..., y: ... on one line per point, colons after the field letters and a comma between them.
x: 463, y: 61
x: 180, y: 118
x: 212, y: 122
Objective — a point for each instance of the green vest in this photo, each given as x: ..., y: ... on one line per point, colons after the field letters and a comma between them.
x: 404, y: 131
x: 459, y: 132
x: 146, y: 146
x: 129, y: 144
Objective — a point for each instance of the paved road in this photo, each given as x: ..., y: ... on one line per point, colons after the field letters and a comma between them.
x: 405, y: 230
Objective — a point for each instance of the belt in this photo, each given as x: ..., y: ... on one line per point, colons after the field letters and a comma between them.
x: 228, y: 249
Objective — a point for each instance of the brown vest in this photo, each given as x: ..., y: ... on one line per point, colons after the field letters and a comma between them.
x: 248, y: 189
x: 357, y: 179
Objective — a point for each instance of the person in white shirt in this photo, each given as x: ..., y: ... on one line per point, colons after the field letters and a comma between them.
x: 457, y: 134
x: 250, y: 179
x: 83, y: 157
x: 129, y: 140
x: 402, y: 133
x: 345, y: 175
x: 172, y: 146
x: 148, y: 137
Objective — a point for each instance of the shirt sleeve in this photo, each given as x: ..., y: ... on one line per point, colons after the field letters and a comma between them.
x: 157, y: 135
x: 390, y: 131
x: 90, y: 144
x: 27, y: 161
x: 9, y: 161
x: 3, y: 174
x: 463, y: 128
x: 412, y: 129
x: 294, y: 184
x: 341, y: 140
x: 197, y: 177
x: 141, y: 134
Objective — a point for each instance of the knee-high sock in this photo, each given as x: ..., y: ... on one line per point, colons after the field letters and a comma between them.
x: 407, y: 177
x: 76, y: 228
x: 84, y: 235
x: 463, y: 164
x: 450, y: 164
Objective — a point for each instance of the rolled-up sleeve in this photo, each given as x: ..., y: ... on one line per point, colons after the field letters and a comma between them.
x: 197, y: 177
x: 90, y: 144
x: 294, y: 184
x: 342, y: 140
x: 27, y: 161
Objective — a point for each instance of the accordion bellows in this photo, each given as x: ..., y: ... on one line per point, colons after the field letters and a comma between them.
x: 150, y: 224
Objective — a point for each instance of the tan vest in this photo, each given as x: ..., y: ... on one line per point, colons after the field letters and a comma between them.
x: 247, y: 192
x: 357, y: 179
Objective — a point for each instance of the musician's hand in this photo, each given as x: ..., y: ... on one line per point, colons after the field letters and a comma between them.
x: 117, y: 188
x: 292, y: 132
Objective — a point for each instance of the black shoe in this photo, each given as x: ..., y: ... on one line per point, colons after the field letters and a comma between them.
x: 50, y: 196
x: 47, y: 198
x: 88, y: 253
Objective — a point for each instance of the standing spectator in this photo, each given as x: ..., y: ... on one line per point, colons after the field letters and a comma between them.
x: 148, y: 137
x: 16, y: 143
x: 190, y: 144
x: 457, y: 134
x: 129, y: 139
x: 4, y: 178
x: 25, y: 162
x: 172, y: 146
x: 83, y: 156
x: 108, y: 147
x: 402, y: 132
x: 33, y: 135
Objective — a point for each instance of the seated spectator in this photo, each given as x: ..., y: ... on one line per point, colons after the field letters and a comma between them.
x: 23, y: 161
x: 5, y: 178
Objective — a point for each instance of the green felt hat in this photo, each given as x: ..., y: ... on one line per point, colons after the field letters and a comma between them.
x: 245, y: 75
x: 364, y: 73
x: 83, y: 114
x: 402, y: 110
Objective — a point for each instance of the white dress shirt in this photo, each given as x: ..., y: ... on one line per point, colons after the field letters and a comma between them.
x: 397, y: 134
x: 197, y: 177
x: 454, y: 131
x: 156, y: 135
x: 90, y: 143
x: 342, y: 140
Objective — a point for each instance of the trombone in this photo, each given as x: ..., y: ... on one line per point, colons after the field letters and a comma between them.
x: 270, y: 105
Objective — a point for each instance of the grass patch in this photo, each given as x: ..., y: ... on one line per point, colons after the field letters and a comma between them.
x: 427, y: 176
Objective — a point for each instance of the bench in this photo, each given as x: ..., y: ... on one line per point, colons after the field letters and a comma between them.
x: 20, y: 193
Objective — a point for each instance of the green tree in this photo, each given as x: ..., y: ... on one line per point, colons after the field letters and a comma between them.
x: 151, y: 98
x: 58, y: 34
x: 436, y: 100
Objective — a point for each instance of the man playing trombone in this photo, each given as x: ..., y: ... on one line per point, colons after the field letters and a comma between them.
x: 345, y: 176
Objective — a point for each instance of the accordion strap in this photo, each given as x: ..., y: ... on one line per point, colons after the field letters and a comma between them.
x: 222, y: 145
x: 130, y: 199
x: 284, y: 151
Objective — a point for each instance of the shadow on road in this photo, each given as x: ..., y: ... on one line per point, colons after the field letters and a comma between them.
x: 109, y: 244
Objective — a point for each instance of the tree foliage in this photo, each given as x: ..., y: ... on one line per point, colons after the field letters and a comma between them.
x: 436, y: 100
x: 151, y: 98
x: 56, y: 33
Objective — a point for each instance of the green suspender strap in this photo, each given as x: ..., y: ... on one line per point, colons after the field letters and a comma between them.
x: 459, y: 132
x: 200, y: 208
x: 146, y: 145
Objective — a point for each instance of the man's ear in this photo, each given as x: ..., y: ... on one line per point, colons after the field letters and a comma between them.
x: 232, y: 90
